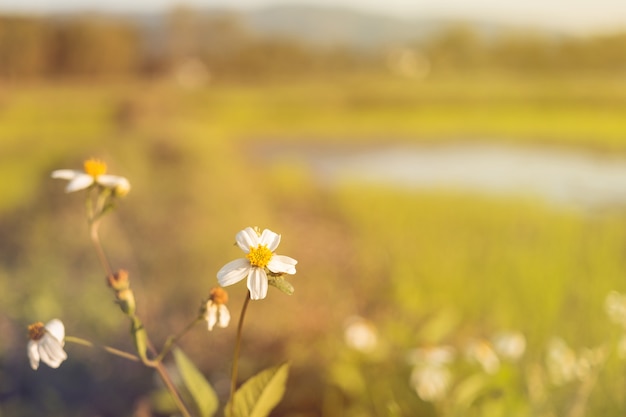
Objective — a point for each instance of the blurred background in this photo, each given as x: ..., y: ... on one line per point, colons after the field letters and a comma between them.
x: 450, y: 177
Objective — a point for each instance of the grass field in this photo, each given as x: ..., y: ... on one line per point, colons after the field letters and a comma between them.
x: 425, y: 269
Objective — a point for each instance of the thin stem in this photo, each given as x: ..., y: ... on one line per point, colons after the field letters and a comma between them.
x: 233, y: 380
x: 173, y: 339
x: 95, y: 239
x: 171, y: 388
x: 111, y: 350
x: 94, y: 222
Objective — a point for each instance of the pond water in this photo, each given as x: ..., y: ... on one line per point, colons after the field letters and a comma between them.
x: 565, y: 177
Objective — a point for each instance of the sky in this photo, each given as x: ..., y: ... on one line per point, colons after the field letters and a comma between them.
x: 573, y: 15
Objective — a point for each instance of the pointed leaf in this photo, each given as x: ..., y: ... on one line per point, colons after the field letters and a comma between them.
x: 198, y: 387
x: 282, y: 284
x: 260, y: 394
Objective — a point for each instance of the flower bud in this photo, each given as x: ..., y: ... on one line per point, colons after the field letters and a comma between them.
x: 119, y: 280
x: 121, y: 188
x: 126, y: 300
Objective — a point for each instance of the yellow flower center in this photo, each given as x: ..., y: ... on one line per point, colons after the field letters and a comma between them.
x: 259, y: 256
x: 95, y: 167
x: 36, y: 331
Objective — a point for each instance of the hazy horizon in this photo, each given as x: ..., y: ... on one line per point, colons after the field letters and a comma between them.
x: 574, y: 15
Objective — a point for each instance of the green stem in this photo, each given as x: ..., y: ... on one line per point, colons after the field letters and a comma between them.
x: 95, y: 239
x: 171, y: 388
x: 111, y: 350
x: 174, y: 339
x: 94, y: 221
x: 233, y: 380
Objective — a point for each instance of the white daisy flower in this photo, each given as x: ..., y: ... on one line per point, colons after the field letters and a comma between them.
x: 481, y: 352
x: 432, y: 356
x: 215, y: 310
x: 431, y: 382
x: 510, y: 345
x: 361, y: 335
x: 561, y: 361
x: 94, y: 173
x: 46, y: 344
x: 260, y: 259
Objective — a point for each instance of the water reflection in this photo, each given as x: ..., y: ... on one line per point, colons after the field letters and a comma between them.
x: 560, y: 176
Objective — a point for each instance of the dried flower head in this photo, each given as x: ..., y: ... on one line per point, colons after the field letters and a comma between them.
x: 214, y: 309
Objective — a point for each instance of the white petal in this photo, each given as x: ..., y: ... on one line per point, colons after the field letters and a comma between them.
x: 282, y: 264
x: 66, y: 174
x: 33, y: 354
x: 79, y: 182
x: 112, y: 181
x: 257, y: 284
x: 224, y: 316
x: 247, y: 239
x: 233, y: 272
x: 51, y: 351
x: 211, y: 315
x: 56, y: 328
x: 270, y: 239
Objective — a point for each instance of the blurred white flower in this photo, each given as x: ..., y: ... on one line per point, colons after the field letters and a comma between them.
x: 215, y: 310
x: 260, y: 258
x: 432, y: 356
x: 588, y: 359
x: 361, y: 335
x: 510, y: 345
x: 431, y: 382
x: 431, y: 377
x: 480, y: 351
x: 46, y: 344
x: 94, y: 173
x: 615, y: 307
x: 561, y: 362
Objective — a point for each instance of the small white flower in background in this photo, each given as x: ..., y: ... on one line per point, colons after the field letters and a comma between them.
x: 510, y: 345
x: 431, y: 382
x: 480, y: 351
x: 561, y: 362
x: 215, y: 310
x: 260, y: 258
x: 588, y: 360
x: 94, y: 173
x: 431, y: 378
x: 432, y: 356
x: 46, y: 344
x: 361, y: 335
x: 615, y: 307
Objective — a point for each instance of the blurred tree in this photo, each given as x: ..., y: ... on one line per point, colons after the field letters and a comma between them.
x: 459, y: 47
x: 23, y: 47
x: 92, y: 46
x: 525, y: 52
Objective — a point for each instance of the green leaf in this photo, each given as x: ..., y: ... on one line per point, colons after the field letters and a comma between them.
x: 260, y: 394
x: 162, y: 402
x: 198, y: 387
x: 282, y: 284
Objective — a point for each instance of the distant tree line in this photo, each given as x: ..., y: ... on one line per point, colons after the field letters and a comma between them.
x: 100, y: 47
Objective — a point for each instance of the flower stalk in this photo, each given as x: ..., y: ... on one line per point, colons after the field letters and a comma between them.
x: 111, y: 350
x: 233, y: 379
